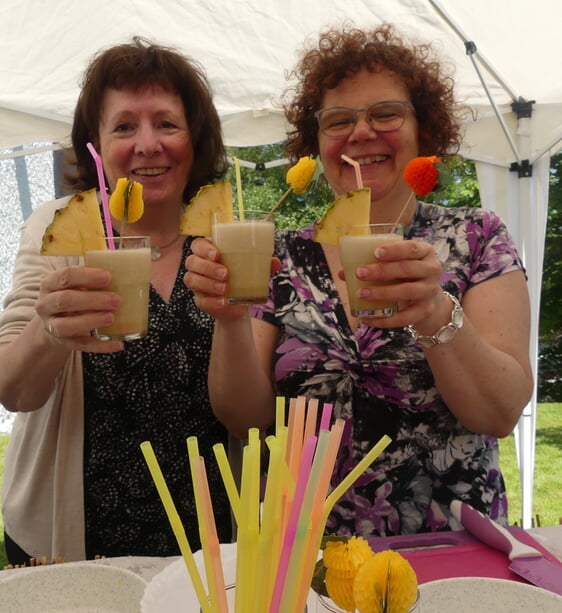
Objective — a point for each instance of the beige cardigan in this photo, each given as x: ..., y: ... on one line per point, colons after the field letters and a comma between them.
x: 42, y: 493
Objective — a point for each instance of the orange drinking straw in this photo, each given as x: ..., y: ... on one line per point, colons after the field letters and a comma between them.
x: 311, y: 416
x: 217, y: 577
x: 176, y: 524
x: 304, y: 528
x: 318, y: 527
x: 296, y: 433
x: 206, y: 530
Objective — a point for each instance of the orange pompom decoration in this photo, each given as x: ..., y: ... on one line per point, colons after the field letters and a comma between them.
x: 422, y: 175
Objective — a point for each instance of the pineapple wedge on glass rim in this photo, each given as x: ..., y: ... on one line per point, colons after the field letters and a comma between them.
x: 76, y: 228
x: 351, y: 208
x: 210, y: 199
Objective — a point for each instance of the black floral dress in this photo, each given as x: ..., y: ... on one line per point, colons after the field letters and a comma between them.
x: 155, y: 390
x: 379, y: 381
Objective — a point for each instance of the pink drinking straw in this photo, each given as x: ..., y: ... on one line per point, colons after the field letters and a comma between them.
x: 326, y: 416
x: 103, y: 194
x: 291, y: 531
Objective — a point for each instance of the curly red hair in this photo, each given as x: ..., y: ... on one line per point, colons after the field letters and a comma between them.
x: 340, y: 53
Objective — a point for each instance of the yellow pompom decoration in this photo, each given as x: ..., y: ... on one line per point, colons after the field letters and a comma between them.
x: 385, y: 583
x: 126, y: 201
x: 300, y: 175
x: 342, y: 561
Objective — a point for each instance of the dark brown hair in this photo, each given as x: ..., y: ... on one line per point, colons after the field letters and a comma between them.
x: 340, y: 53
x: 134, y: 66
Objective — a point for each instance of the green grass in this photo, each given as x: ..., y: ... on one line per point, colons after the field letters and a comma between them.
x: 547, y: 499
x: 547, y: 503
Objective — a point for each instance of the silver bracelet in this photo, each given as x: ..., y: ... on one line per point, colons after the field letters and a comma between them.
x: 444, y: 334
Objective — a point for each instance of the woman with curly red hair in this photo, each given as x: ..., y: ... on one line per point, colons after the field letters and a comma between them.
x: 446, y: 374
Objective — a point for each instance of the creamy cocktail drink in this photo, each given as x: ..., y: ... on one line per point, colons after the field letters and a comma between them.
x: 246, y: 247
x: 357, y: 248
x: 130, y: 266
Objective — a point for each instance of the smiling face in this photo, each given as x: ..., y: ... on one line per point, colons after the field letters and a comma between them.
x: 382, y: 155
x: 144, y: 135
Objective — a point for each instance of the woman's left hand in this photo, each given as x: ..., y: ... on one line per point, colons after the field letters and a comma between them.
x: 414, y: 273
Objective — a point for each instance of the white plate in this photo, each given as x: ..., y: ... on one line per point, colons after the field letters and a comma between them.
x: 75, y: 587
x: 484, y: 595
x: 171, y: 590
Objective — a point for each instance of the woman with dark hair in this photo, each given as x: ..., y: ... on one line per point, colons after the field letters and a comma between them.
x: 446, y: 374
x: 75, y: 481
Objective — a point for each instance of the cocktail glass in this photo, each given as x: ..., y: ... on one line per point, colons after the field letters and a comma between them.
x: 130, y: 266
x: 357, y: 245
x: 246, y: 247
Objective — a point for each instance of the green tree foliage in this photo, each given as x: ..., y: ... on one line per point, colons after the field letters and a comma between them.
x: 550, y: 343
x: 262, y: 188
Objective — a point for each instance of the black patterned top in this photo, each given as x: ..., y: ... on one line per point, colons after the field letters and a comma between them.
x: 155, y: 390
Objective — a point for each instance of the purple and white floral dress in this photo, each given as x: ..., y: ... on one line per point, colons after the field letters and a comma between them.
x: 380, y: 382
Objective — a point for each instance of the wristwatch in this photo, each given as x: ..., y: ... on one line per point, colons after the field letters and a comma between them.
x: 446, y: 333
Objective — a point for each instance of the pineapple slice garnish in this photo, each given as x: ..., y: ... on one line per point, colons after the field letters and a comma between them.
x: 351, y: 208
x: 210, y: 199
x: 76, y: 228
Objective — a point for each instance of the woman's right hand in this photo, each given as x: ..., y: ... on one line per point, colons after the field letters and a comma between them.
x: 72, y: 302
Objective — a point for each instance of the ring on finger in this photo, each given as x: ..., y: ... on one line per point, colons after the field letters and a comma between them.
x: 52, y: 331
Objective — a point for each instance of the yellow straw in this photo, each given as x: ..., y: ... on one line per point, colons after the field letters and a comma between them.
x: 269, y: 544
x: 228, y: 480
x: 248, y: 529
x: 239, y: 189
x: 176, y: 524
x: 353, y: 475
x: 279, y: 413
x: 357, y: 168
x: 204, y: 529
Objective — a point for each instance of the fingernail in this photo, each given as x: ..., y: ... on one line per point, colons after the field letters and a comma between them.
x: 364, y: 292
x: 212, y: 254
x: 221, y: 273
x: 380, y: 252
x: 219, y: 288
x: 362, y: 273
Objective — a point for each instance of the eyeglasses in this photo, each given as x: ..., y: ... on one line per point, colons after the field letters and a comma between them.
x: 339, y: 121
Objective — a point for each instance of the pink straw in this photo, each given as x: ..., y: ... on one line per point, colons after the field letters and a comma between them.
x: 326, y: 417
x: 357, y: 169
x: 103, y: 194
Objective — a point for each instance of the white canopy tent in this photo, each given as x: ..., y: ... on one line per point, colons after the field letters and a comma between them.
x: 246, y: 47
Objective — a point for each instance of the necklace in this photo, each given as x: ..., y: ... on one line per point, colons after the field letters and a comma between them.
x: 156, y: 252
